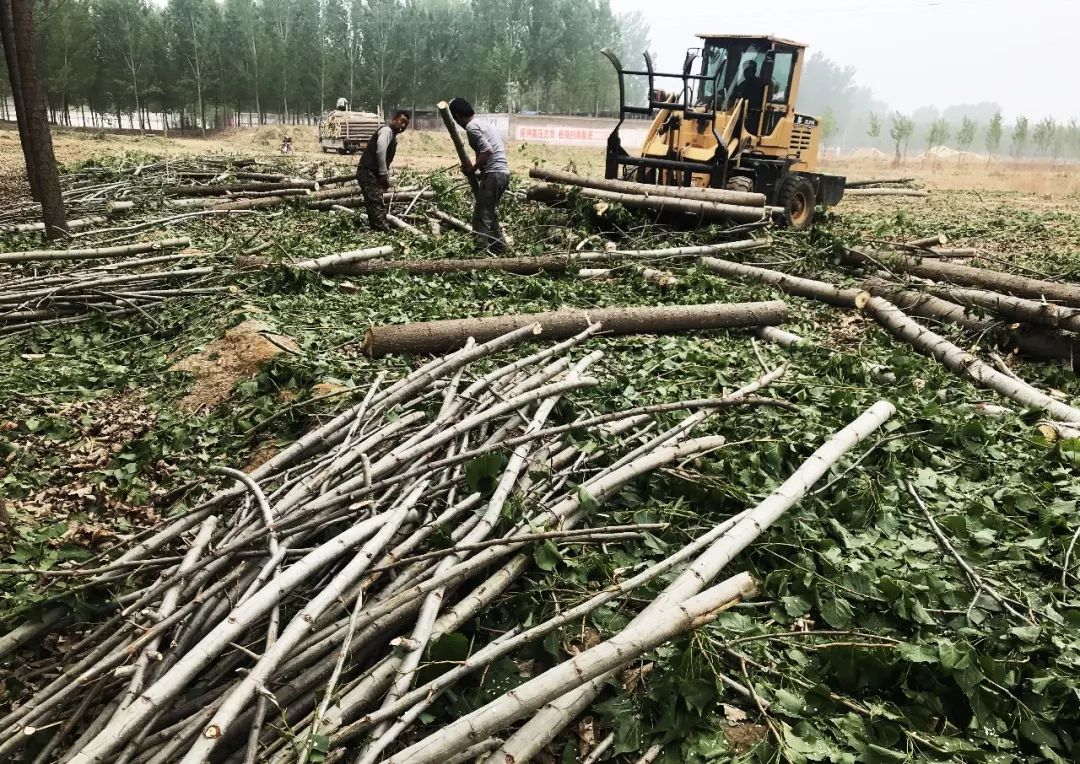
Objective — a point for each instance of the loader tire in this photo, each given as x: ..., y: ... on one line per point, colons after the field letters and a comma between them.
x: 740, y: 183
x: 796, y: 198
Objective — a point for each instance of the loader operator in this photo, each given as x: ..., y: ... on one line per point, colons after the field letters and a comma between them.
x: 752, y: 87
x: 494, y: 178
x: 373, y: 171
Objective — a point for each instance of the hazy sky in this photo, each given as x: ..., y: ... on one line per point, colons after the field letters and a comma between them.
x: 911, y: 53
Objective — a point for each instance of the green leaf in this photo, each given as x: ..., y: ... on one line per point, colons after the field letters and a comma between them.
x: 836, y: 612
x: 546, y: 555
x: 698, y: 693
x: 796, y: 606
x: 482, y: 473
x: 588, y: 501
x: 917, y: 653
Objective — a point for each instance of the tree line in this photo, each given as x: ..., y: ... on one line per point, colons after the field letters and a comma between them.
x: 205, y: 63
x: 852, y: 117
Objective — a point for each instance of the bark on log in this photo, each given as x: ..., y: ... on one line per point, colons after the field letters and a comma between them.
x: 72, y: 225
x: 521, y: 266
x: 353, y: 190
x: 451, y: 334
x: 809, y: 288
x: 91, y: 254
x: 546, y: 192
x: 356, y: 200
x: 461, y: 225
x: 401, y: 225
x: 1017, y: 308
x: 1035, y: 344
x: 459, y: 147
x: 965, y: 275
x: 238, y: 188
x: 897, y: 323
x: 886, y: 192
x: 719, y: 195
x: 744, y: 245
x: 939, y: 240
x: 333, y: 264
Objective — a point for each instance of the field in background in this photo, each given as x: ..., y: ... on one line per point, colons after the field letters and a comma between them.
x: 426, y: 151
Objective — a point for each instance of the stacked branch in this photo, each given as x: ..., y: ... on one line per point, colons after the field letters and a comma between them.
x: 296, y: 606
x: 123, y: 288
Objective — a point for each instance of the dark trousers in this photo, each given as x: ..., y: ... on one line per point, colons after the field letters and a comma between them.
x: 485, y: 220
x: 373, y: 198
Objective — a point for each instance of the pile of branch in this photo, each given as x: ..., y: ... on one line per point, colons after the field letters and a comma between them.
x: 877, y: 297
x: 120, y: 288
x: 288, y: 617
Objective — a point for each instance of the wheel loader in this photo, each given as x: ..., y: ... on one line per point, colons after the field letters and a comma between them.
x: 732, y: 124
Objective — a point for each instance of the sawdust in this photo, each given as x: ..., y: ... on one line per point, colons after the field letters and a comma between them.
x: 261, y: 455
x: 745, y: 736
x: 239, y: 355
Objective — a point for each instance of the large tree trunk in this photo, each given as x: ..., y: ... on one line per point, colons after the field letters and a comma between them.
x: 7, y: 28
x: 719, y: 195
x: 962, y: 363
x: 879, y: 182
x: 964, y: 275
x: 443, y: 336
x: 44, y: 162
x: 1031, y: 343
x: 459, y: 147
x: 546, y: 192
x: 809, y: 288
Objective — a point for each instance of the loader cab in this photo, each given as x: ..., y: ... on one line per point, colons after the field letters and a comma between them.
x: 763, y: 70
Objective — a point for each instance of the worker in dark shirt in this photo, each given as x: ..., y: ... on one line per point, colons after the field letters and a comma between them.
x: 752, y: 87
x: 373, y: 171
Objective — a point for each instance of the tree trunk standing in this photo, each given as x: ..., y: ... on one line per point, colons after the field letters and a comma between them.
x: 37, y: 127
x: 7, y: 27
x: 196, y: 69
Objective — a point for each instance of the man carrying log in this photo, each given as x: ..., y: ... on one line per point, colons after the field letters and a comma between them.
x: 494, y: 180
x: 373, y: 170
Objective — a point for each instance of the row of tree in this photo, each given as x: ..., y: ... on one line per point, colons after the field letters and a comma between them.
x: 1045, y: 138
x: 852, y: 117
x: 205, y: 63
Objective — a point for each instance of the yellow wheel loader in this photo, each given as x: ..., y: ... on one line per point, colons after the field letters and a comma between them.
x: 732, y: 124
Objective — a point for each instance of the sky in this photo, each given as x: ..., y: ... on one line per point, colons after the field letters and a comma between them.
x: 911, y: 53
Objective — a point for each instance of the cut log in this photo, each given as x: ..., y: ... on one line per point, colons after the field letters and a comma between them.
x: 744, y: 245
x: 809, y: 288
x: 595, y: 274
x: 1031, y: 343
x: 777, y: 336
x: 719, y: 195
x: 92, y: 254
x: 451, y: 334
x: 521, y: 266
x: 954, y: 358
x: 238, y: 188
x: 1016, y: 308
x: 352, y: 190
x: 331, y: 263
x: 72, y: 225
x: 878, y: 182
x: 254, y: 204
x: 548, y: 193
x: 965, y: 275
x: 939, y: 240
x: 461, y: 225
x: 459, y: 146
x: 401, y: 225
x: 356, y: 200
x: 886, y: 192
